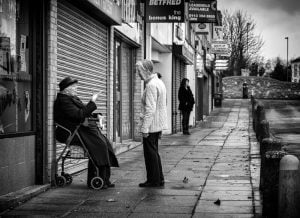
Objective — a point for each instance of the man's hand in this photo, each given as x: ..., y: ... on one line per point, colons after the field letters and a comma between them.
x: 145, y: 135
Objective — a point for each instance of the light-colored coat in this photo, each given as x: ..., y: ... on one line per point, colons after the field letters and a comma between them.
x: 154, y: 108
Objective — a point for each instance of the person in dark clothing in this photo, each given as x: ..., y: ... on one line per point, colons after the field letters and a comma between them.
x: 186, y: 103
x: 69, y: 111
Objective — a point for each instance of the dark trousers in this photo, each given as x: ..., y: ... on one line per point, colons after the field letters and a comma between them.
x: 185, y: 121
x: 152, y: 159
x: 104, y: 173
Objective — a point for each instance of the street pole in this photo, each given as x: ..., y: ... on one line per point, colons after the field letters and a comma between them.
x: 145, y: 32
x: 287, y: 58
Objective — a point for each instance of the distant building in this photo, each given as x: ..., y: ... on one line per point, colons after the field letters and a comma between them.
x: 295, y: 65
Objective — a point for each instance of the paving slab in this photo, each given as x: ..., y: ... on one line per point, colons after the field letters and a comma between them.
x: 219, y: 160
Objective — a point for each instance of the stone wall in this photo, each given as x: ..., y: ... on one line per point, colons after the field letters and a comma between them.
x: 260, y: 87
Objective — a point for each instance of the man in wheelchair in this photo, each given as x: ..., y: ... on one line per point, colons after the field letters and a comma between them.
x: 69, y: 111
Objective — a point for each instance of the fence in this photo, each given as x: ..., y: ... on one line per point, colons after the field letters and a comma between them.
x: 280, y: 174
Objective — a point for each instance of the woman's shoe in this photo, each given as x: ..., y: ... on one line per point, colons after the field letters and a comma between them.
x: 110, y: 185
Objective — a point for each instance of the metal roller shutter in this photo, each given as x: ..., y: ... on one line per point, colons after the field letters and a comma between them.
x: 82, y: 50
x: 176, y: 124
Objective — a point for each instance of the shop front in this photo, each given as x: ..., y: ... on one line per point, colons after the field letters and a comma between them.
x: 22, y: 88
x: 83, y: 35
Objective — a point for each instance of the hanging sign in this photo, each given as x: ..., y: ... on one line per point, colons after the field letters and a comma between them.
x: 164, y: 11
x: 201, y: 28
x: 218, y: 33
x: 202, y: 11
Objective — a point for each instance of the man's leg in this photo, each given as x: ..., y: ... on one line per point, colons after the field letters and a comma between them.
x: 161, y: 175
x: 151, y: 158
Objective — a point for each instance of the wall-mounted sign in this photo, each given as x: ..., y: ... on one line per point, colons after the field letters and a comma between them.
x: 129, y: 11
x: 220, y: 47
x: 184, y: 52
x: 164, y: 11
x: 109, y: 8
x: 201, y: 28
x: 179, y: 32
x: 203, y: 11
x: 218, y: 33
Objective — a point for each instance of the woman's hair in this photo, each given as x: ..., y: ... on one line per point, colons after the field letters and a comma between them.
x: 183, y: 82
x: 146, y: 65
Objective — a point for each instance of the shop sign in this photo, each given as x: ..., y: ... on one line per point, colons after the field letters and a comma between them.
x: 219, y: 47
x: 202, y: 11
x: 109, y: 8
x: 129, y: 11
x: 164, y: 11
x: 201, y: 28
x: 218, y: 32
x: 179, y: 32
x: 188, y: 52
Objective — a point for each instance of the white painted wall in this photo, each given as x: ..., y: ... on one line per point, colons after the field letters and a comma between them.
x: 162, y: 32
x: 191, y: 77
x: 164, y: 67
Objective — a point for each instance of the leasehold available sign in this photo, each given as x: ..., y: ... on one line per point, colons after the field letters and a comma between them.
x: 164, y: 11
x: 202, y: 11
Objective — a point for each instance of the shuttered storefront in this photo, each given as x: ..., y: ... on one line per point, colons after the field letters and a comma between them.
x: 82, y: 53
x: 179, y: 72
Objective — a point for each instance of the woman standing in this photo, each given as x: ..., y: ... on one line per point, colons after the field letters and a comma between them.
x: 186, y: 103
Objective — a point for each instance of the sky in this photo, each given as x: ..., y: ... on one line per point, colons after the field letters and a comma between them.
x: 275, y: 20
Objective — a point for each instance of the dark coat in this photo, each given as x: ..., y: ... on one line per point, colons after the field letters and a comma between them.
x: 186, y: 99
x: 69, y: 111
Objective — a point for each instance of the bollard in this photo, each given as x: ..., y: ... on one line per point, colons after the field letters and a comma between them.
x: 271, y: 181
x: 264, y: 130
x: 288, y: 200
x: 267, y: 144
x: 254, y: 105
x: 260, y: 116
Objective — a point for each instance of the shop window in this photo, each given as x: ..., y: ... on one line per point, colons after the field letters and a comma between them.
x: 15, y: 74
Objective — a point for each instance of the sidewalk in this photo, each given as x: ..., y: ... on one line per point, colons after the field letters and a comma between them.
x: 220, y: 160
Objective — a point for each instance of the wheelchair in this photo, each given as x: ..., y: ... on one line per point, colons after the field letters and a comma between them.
x: 65, y: 178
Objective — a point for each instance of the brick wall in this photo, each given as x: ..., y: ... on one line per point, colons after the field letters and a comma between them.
x: 51, y: 72
x: 110, y: 85
x: 137, y: 94
x: 263, y: 87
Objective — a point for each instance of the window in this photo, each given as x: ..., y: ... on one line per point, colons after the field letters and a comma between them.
x: 15, y: 75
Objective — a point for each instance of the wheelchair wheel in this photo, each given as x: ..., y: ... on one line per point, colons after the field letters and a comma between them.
x: 68, y: 178
x: 97, y: 183
x: 60, y: 181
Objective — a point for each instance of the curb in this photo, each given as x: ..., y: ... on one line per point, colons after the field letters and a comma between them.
x: 13, y: 199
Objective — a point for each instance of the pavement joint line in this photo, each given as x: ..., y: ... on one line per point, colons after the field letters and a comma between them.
x: 74, y: 208
x: 215, y: 161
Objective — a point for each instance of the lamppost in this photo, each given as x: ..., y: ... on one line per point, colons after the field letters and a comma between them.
x: 287, y: 58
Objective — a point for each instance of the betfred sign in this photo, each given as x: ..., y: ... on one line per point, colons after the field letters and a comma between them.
x: 164, y: 11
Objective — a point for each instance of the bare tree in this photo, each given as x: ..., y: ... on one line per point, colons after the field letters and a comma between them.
x: 244, y: 44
